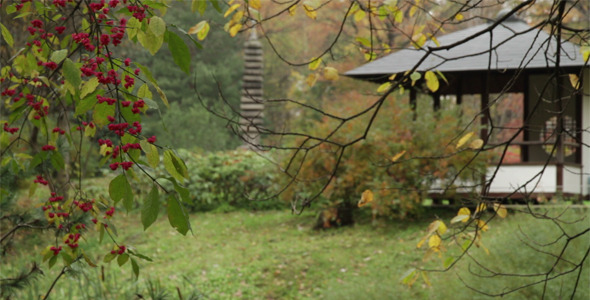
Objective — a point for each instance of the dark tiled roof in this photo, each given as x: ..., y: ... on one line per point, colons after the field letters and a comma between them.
x: 520, y: 46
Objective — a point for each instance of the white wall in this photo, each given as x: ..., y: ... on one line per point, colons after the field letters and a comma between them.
x: 509, y: 178
x: 586, y: 132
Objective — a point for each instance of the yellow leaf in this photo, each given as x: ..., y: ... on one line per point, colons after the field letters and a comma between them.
x: 458, y: 17
x: 476, y: 144
x: 413, y: 11
x: 433, y: 38
x: 442, y: 228
x: 481, y: 207
x: 384, y: 87
x: 500, y: 210
x: 432, y: 227
x: 366, y: 197
x: 464, y: 211
x: 482, y: 225
x: 311, y: 79
x: 359, y: 16
x: 202, y: 34
x: 419, y: 40
x: 421, y: 242
x: 425, y: 278
x: 330, y: 73
x: 398, y: 156
x: 575, y: 81
x: 310, y: 11
x: 314, y: 64
x: 464, y: 139
x: 292, y: 10
x: 399, y: 16
x: 195, y: 29
x: 392, y: 77
x: 460, y: 218
x: 254, y: 4
x: 234, y: 29
x: 431, y: 81
x: 434, y: 241
x: 230, y: 10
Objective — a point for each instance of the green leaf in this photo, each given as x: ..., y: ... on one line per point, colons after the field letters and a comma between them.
x: 144, y: 92
x: 135, y: 268
x: 180, y: 52
x: 175, y: 166
x: 216, y: 5
x: 71, y: 73
x: 7, y: 36
x: 176, y: 215
x: 89, y: 87
x: 133, y: 26
x: 182, y: 191
x: 52, y: 261
x: 415, y: 76
x: 448, y: 262
x: 199, y: 5
x: 57, y: 160
x: 100, y: 113
x: 109, y: 257
x: 139, y: 255
x: 122, y: 259
x: 59, y: 55
x: 157, y: 26
x: 162, y: 95
x: 151, y: 208
x: 120, y: 189
x: 151, y: 152
x: 150, y: 40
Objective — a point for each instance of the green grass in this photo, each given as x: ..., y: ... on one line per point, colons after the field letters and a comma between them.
x: 275, y: 255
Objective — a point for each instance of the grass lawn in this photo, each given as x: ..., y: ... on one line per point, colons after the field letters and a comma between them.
x: 275, y: 255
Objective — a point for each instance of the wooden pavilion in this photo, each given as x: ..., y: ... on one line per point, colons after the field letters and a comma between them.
x: 513, y: 58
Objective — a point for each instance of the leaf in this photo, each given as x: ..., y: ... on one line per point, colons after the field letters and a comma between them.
x: 481, y: 207
x: 330, y: 73
x: 195, y: 29
x: 311, y: 79
x: 500, y: 210
x: 398, y: 156
x: 364, y: 41
x: 415, y: 76
x: 151, y: 208
x: 314, y: 64
x: 151, y: 152
x: 431, y: 81
x: 175, y: 166
x: 310, y: 11
x: 359, y: 16
x: 6, y: 35
x: 89, y: 87
x: 161, y: 94
x: 233, y: 31
x: 482, y: 225
x: 366, y: 198
x: 384, y: 87
x: 216, y: 5
x: 135, y: 268
x: 71, y: 73
x: 120, y: 189
x: 459, y: 17
x: 575, y: 81
x: 176, y: 215
x: 144, y: 92
x: 434, y: 241
x: 157, y: 26
x: 448, y: 262
x: 585, y: 50
x: 180, y: 52
x: 254, y: 4
x: 202, y: 34
x: 476, y: 144
x: 419, y: 40
x: 59, y: 55
x: 292, y: 10
x: 133, y: 26
x: 407, y: 276
x: 459, y: 218
x: 464, y: 139
x: 425, y: 278
x: 230, y: 10
x: 199, y: 5
x: 442, y: 228
x: 122, y: 259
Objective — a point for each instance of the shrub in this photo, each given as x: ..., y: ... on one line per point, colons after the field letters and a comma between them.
x: 228, y: 180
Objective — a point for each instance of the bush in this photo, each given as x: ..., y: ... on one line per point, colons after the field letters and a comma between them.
x: 227, y: 181
x: 401, y: 161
